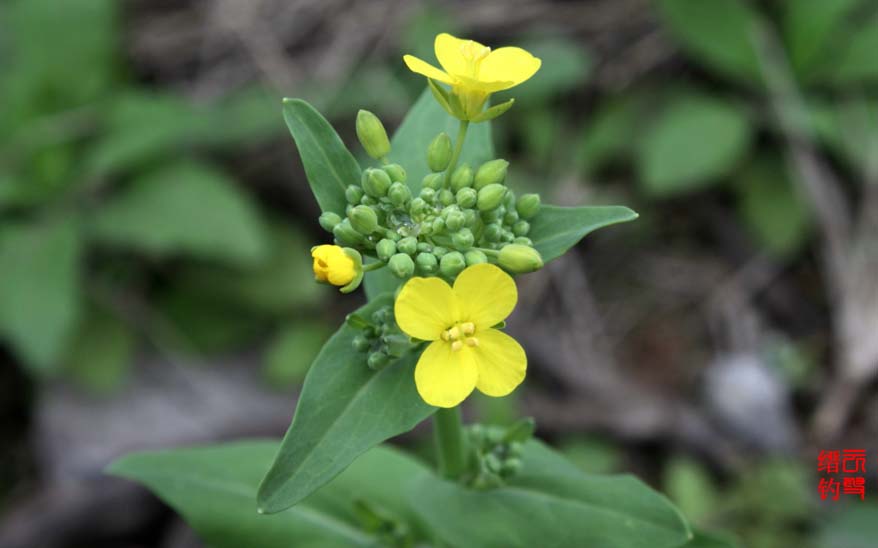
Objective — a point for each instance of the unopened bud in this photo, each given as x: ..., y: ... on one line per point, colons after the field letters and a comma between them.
x: 528, y: 205
x: 399, y: 194
x: 455, y: 220
x: 372, y: 135
x: 407, y: 245
x: 493, y: 232
x: 432, y: 180
x: 446, y: 197
x: 520, y: 259
x: 452, y: 264
x: 426, y: 263
x: 439, y: 152
x: 490, y: 197
x: 462, y: 177
x: 463, y: 239
x: 346, y: 235
x: 490, y: 173
x: 428, y: 194
x: 353, y: 194
x: 328, y: 220
x: 396, y: 172
x: 521, y: 228
x: 417, y: 206
x: 361, y: 343
x: 439, y: 251
x: 378, y: 360
x: 376, y: 182
x: 396, y: 345
x: 363, y: 219
x: 474, y: 256
x: 385, y: 249
x: 401, y: 265
x: 466, y: 197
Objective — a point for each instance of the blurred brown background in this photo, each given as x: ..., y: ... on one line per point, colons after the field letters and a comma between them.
x: 155, y: 285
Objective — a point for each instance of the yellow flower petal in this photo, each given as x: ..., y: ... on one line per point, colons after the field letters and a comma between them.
x: 425, y: 307
x: 510, y: 64
x: 444, y: 377
x: 486, y: 294
x: 481, y: 85
x: 449, y: 50
x: 501, y: 362
x: 422, y: 67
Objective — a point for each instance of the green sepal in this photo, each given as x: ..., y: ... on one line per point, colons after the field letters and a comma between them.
x: 447, y: 101
x: 492, y: 112
x: 358, y: 262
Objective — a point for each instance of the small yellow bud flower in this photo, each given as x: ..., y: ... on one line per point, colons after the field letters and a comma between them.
x: 333, y: 266
x: 465, y: 352
x: 474, y: 71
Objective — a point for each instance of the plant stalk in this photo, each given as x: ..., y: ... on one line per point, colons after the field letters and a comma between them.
x: 450, y: 443
x: 458, y: 147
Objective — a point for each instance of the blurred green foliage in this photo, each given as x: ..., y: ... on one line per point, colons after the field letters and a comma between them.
x: 116, y: 223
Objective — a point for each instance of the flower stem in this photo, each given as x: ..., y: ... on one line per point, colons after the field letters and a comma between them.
x: 451, y: 453
x: 374, y: 266
x: 458, y: 147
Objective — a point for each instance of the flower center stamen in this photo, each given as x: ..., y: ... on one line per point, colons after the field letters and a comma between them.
x: 460, y: 334
x: 473, y: 54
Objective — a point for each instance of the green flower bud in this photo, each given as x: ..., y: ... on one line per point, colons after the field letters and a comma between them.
x: 328, y: 220
x: 396, y: 172
x: 519, y: 259
x: 511, y: 217
x: 463, y: 239
x: 466, y: 197
x: 455, y: 220
x: 471, y: 217
x: 397, y: 344
x: 490, y: 197
x: 353, y: 194
x: 346, y: 235
x: 438, y: 225
x: 399, y: 194
x: 451, y: 264
x: 368, y: 201
x: 361, y: 343
x: 494, y: 215
x: 432, y: 180
x: 528, y: 205
x: 417, y: 206
x: 510, y: 467
x: 385, y: 249
x: 509, y: 201
x: 439, y: 152
x: 508, y: 236
x: 371, y: 133
x: 462, y: 177
x: 523, y: 240
x: 428, y: 194
x: 426, y: 263
x: 381, y: 316
x: 376, y: 182
x: 439, y: 251
x: 521, y: 228
x: 490, y: 173
x: 474, y: 256
x: 446, y: 197
x: 407, y: 245
x: 493, y: 232
x: 401, y: 265
x: 378, y: 360
x: 364, y: 219
x: 424, y: 247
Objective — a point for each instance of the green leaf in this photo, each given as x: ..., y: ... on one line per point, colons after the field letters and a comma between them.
x: 772, y: 208
x: 696, y: 140
x: 810, y: 29
x: 214, y: 488
x: 711, y: 540
x: 853, y: 526
x: 185, y: 209
x: 39, y: 289
x: 556, y: 229
x: 422, y: 124
x: 611, y: 132
x: 329, y: 165
x: 344, y: 409
x: 689, y: 485
x: 718, y: 33
x: 855, y: 62
x: 101, y: 354
x: 289, y: 355
x: 550, y: 503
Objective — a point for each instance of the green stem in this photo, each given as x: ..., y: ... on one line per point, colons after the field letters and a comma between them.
x: 450, y: 449
x: 373, y: 266
x: 458, y: 147
x: 489, y: 252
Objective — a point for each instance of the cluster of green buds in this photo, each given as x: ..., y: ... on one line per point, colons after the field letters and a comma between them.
x: 379, y: 337
x: 461, y: 216
x: 495, y: 452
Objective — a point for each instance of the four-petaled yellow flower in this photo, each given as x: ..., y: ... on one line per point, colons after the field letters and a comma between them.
x: 474, y: 71
x: 332, y: 265
x: 466, y: 352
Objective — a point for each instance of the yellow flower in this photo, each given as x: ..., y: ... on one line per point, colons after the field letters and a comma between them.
x: 474, y: 71
x: 332, y: 265
x: 465, y: 352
